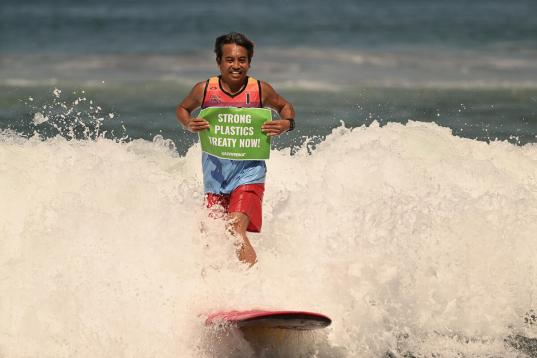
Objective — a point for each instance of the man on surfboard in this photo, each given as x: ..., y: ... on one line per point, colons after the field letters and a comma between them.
x: 235, y: 185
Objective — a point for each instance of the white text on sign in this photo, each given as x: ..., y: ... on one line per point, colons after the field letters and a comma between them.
x: 225, y: 130
x: 234, y: 118
x: 232, y: 142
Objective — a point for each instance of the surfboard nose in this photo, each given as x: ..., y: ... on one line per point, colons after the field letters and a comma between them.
x: 296, y: 320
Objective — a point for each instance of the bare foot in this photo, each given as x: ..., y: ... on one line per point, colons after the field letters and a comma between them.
x: 246, y: 254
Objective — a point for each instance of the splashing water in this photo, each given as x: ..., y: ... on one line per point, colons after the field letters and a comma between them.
x: 71, y: 117
x: 414, y: 241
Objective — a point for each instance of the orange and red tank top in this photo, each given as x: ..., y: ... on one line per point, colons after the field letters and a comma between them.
x: 248, y: 96
x: 222, y: 176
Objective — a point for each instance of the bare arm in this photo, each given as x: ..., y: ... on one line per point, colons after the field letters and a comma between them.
x: 191, y: 102
x: 280, y: 104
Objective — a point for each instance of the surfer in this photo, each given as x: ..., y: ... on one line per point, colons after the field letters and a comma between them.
x: 235, y: 185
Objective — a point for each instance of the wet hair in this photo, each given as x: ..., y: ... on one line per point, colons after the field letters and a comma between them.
x: 233, y: 38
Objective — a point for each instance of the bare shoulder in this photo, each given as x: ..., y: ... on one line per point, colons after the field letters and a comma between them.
x: 271, y: 98
x: 269, y: 94
x: 266, y: 87
x: 195, y: 97
x: 198, y: 89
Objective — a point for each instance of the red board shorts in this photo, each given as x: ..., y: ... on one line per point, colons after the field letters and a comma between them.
x: 246, y: 199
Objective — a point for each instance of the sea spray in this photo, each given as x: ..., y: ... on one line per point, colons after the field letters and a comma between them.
x: 71, y: 116
x: 412, y: 240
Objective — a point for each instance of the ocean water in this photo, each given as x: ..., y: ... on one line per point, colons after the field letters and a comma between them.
x: 404, y: 205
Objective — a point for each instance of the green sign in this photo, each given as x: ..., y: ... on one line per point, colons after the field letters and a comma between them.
x: 235, y: 133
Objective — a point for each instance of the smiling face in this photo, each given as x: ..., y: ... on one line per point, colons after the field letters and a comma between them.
x: 234, y: 64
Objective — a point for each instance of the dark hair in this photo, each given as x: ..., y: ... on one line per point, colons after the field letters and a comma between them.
x: 233, y: 38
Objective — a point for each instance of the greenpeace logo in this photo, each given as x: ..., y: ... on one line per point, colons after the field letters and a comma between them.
x: 234, y: 154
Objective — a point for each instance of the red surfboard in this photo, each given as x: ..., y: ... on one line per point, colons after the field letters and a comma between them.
x: 298, y: 320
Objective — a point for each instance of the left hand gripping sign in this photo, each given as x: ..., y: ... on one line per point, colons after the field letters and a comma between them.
x: 235, y: 133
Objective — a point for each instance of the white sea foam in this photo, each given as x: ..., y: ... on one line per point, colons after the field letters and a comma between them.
x: 39, y: 118
x: 410, y: 238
